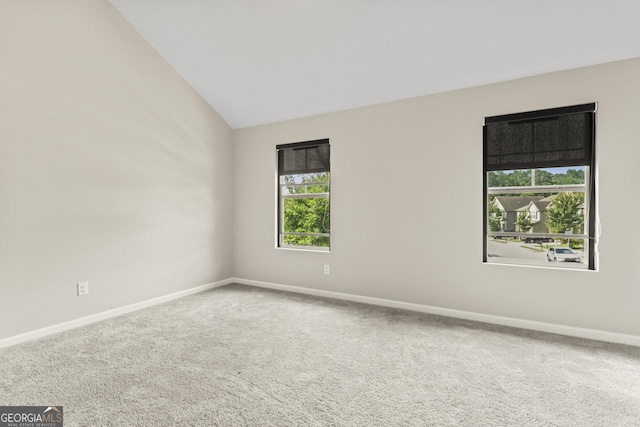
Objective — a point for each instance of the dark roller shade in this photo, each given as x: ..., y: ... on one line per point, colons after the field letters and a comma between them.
x: 540, y: 139
x: 303, y: 157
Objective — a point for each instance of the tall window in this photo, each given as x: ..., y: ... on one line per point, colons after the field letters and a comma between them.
x: 304, y: 182
x: 539, y: 188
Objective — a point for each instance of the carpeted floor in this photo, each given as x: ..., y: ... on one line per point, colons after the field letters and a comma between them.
x: 245, y: 356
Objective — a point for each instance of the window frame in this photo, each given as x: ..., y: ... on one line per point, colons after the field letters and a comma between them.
x: 588, y: 188
x: 280, y: 199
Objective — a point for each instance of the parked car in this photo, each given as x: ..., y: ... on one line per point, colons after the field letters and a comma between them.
x: 536, y: 239
x: 563, y: 254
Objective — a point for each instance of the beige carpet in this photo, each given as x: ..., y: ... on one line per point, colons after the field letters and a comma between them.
x: 245, y: 356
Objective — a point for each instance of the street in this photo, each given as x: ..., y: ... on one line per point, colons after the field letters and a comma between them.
x: 506, y: 252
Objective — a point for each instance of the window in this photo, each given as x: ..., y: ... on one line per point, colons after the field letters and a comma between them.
x: 539, y: 188
x: 304, y: 204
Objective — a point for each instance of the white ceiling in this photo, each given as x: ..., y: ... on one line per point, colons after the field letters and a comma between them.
x: 262, y: 61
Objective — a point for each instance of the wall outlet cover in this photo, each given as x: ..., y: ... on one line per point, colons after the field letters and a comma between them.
x: 83, y: 288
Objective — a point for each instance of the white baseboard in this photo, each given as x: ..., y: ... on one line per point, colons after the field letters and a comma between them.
x: 592, y: 334
x: 573, y: 331
x: 39, y: 333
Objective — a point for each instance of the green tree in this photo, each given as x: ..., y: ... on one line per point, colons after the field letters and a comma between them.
x: 524, y: 222
x: 519, y: 178
x: 565, y: 213
x: 571, y: 176
x: 307, y: 216
x: 544, y: 178
x: 516, y: 178
x: 495, y: 217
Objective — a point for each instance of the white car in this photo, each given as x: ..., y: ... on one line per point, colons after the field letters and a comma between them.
x: 563, y: 254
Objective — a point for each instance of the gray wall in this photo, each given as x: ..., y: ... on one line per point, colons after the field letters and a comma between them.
x: 112, y: 168
x: 399, y: 168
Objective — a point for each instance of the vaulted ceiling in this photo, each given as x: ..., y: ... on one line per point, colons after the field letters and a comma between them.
x: 262, y: 61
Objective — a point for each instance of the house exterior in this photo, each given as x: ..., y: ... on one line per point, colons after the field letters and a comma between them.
x: 537, y: 212
x: 509, y: 207
x: 536, y: 207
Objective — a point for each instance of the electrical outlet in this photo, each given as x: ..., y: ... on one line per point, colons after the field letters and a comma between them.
x: 326, y: 269
x: 83, y: 288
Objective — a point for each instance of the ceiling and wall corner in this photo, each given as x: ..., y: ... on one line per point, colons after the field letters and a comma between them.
x: 263, y: 61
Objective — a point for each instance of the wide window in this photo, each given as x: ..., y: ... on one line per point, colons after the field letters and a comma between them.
x: 304, y: 204
x: 539, y: 188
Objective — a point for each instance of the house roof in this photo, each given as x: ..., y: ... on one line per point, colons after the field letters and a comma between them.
x: 541, y: 205
x: 514, y: 203
x: 265, y: 61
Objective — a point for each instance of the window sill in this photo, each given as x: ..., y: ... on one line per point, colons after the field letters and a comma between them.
x: 298, y: 249
x: 544, y: 267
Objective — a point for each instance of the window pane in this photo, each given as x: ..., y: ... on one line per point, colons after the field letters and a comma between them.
x: 549, y: 176
x: 311, y: 188
x: 510, y: 178
x: 547, y: 213
x: 565, y: 253
x: 304, y: 178
x: 309, y: 215
x: 306, y: 215
x: 305, y: 183
x: 306, y: 241
x: 560, y: 176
